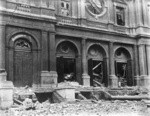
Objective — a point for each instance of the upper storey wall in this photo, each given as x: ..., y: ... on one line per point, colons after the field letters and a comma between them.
x: 130, y: 17
x: 122, y: 16
x: 36, y: 8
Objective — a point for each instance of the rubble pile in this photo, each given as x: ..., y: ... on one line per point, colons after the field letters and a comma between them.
x: 26, y: 104
x: 82, y: 108
x: 20, y: 94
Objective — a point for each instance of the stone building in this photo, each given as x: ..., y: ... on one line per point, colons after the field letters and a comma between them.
x: 95, y: 41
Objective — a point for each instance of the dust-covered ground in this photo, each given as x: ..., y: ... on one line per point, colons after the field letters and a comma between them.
x: 82, y: 108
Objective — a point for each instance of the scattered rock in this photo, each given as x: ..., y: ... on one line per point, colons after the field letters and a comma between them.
x: 100, y: 108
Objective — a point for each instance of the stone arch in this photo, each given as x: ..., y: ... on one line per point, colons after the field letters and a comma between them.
x: 126, y: 50
x: 97, y: 65
x: 23, y: 34
x: 72, y: 42
x: 101, y: 46
x: 124, y: 66
x: 99, y: 49
x: 68, y: 61
x: 21, y: 60
x: 67, y: 48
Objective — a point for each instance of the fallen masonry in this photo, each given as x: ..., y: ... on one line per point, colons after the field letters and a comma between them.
x: 72, y: 99
x: 87, y: 107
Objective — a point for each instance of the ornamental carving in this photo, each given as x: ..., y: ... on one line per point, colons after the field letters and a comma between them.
x: 96, y: 8
x: 93, y: 52
x: 65, y: 48
x: 22, y: 44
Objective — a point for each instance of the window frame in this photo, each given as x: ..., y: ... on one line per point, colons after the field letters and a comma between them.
x: 65, y: 7
x: 125, y: 16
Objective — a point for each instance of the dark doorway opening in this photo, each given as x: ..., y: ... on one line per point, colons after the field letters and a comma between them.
x: 124, y: 67
x: 96, y: 71
x: 121, y: 70
x: 66, y: 69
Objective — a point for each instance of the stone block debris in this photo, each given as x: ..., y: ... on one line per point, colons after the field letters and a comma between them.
x: 82, y: 108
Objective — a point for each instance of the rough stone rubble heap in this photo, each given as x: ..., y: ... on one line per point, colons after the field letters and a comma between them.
x: 86, y: 108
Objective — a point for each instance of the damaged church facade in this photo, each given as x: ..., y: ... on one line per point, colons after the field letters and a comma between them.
x: 97, y: 42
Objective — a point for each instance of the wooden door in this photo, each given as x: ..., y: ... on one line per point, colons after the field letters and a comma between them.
x: 23, y: 68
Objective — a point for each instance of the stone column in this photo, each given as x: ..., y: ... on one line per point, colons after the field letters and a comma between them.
x: 2, y: 54
x: 111, y: 15
x: 45, y: 74
x: 85, y: 76
x: 112, y: 76
x: 148, y: 57
x: 44, y: 51
x: 148, y: 65
x: 81, y: 12
x: 106, y: 71
x: 48, y: 74
x: 52, y: 59
x: 142, y: 64
x: 79, y: 69
x: 6, y: 87
x: 144, y: 12
x: 138, y: 12
x: 136, y: 66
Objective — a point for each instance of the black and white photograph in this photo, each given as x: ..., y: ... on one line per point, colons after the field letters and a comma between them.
x: 74, y: 57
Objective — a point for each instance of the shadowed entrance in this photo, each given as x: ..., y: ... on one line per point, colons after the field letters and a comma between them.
x: 67, y: 60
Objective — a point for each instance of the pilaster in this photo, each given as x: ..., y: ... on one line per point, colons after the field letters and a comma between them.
x: 111, y: 15
x: 148, y: 58
x: 85, y: 76
x: 82, y: 8
x: 48, y: 73
x: 138, y: 12
x: 44, y: 64
x: 112, y: 76
x: 81, y: 12
x: 2, y: 49
x: 144, y: 13
x: 142, y: 64
x: 136, y: 66
x: 6, y: 87
x: 147, y: 80
x: 52, y: 59
x: 79, y: 69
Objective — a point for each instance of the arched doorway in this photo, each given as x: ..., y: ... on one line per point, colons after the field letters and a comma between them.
x: 23, y: 63
x: 123, y: 67
x: 23, y: 60
x: 97, y: 66
x: 67, y: 61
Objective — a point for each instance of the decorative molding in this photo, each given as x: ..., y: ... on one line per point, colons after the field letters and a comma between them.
x: 23, y: 8
x: 93, y: 52
x: 64, y: 48
x: 22, y: 43
x: 123, y: 2
x: 120, y: 5
x: 96, y: 8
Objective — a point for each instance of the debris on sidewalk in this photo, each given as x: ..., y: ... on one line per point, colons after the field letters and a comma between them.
x: 86, y: 108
